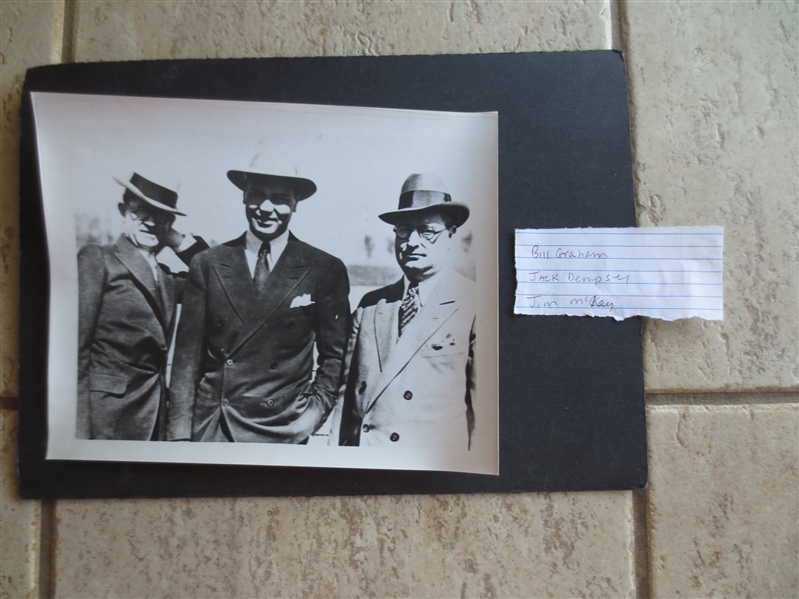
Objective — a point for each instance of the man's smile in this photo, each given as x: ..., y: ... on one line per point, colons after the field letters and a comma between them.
x: 265, y: 220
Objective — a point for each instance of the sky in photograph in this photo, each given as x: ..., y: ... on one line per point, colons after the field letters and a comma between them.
x: 358, y: 159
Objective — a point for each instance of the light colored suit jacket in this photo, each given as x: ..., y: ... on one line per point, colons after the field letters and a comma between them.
x: 415, y: 390
x: 243, y: 367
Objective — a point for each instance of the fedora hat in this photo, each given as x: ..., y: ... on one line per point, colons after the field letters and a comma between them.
x: 303, y: 188
x: 154, y: 194
x: 426, y: 192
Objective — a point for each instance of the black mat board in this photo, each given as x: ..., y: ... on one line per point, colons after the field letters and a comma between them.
x: 571, y: 393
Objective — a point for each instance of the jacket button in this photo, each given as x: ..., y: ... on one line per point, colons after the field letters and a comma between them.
x: 270, y: 402
x: 225, y: 402
x: 407, y: 395
x: 362, y: 388
x: 229, y: 362
x: 366, y: 428
x: 290, y: 325
x: 394, y: 437
x: 273, y: 366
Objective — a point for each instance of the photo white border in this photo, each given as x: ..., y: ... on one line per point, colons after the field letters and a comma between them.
x: 59, y: 120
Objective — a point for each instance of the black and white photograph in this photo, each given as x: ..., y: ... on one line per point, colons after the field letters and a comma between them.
x: 270, y: 284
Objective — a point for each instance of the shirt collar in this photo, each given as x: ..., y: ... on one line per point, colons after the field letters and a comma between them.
x: 425, y: 287
x: 276, y: 245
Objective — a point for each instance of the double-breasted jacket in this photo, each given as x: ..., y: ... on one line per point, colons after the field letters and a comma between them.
x: 244, y: 358
x: 415, y: 389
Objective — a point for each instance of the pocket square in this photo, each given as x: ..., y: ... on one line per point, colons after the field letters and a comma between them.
x: 447, y: 341
x: 301, y: 300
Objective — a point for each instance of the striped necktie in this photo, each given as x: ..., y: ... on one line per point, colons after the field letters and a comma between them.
x: 261, y: 266
x: 409, y: 307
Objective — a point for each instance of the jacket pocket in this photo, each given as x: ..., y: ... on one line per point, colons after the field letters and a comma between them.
x: 440, y: 350
x: 112, y: 384
x: 448, y: 345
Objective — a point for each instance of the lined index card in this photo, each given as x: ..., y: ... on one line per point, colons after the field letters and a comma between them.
x: 661, y: 272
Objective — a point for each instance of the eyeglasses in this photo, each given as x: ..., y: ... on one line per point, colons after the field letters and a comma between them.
x: 427, y: 233
x: 158, y: 217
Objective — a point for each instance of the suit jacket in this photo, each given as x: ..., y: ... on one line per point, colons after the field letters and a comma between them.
x: 125, y: 323
x: 416, y: 389
x: 243, y: 368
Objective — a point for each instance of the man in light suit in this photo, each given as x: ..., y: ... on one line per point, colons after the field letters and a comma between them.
x: 253, y: 310
x: 126, y: 318
x: 409, y: 374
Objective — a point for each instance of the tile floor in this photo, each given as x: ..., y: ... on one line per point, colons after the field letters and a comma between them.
x: 713, y: 88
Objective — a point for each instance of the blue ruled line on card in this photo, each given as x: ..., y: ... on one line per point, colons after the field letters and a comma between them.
x: 615, y: 245
x: 610, y: 270
x: 588, y: 232
x: 612, y: 283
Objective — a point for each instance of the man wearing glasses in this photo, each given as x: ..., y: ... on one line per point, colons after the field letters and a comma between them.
x: 408, y: 379
x: 254, y: 309
x: 126, y: 317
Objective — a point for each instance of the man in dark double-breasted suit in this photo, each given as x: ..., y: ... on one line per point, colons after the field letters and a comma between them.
x: 254, y: 309
x: 126, y: 318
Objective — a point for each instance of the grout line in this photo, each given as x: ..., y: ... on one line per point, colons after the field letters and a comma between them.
x: 47, y: 531
x: 47, y: 550
x: 624, y: 46
x: 641, y: 544
x: 9, y: 403
x: 614, y: 25
x: 722, y: 398
x: 69, y: 31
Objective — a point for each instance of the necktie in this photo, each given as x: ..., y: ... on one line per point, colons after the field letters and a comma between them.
x: 156, y: 270
x: 409, y: 307
x: 153, y: 264
x: 261, y: 267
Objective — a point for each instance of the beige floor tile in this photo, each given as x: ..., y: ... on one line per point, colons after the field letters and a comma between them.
x: 30, y: 35
x: 19, y: 521
x: 713, y: 105
x: 140, y: 30
x: 723, y: 501
x: 414, y: 546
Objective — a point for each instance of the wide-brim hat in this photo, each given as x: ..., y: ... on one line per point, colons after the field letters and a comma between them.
x: 438, y: 200
x: 303, y: 188
x: 152, y: 193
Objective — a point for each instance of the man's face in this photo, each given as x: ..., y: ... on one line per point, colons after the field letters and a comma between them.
x: 422, y: 244
x: 144, y: 224
x: 269, y: 209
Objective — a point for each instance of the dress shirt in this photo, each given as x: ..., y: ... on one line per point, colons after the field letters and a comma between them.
x: 153, y: 263
x: 253, y: 246
x: 149, y: 255
x: 425, y: 287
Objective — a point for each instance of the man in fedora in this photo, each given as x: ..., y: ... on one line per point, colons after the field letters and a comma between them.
x: 126, y: 317
x: 408, y: 377
x: 253, y: 311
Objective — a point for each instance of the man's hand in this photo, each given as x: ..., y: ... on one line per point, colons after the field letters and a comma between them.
x: 172, y: 238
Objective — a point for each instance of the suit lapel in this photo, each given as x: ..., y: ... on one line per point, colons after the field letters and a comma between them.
x: 131, y: 258
x: 440, y: 306
x: 234, y: 276
x: 386, y: 323
x: 289, y: 271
